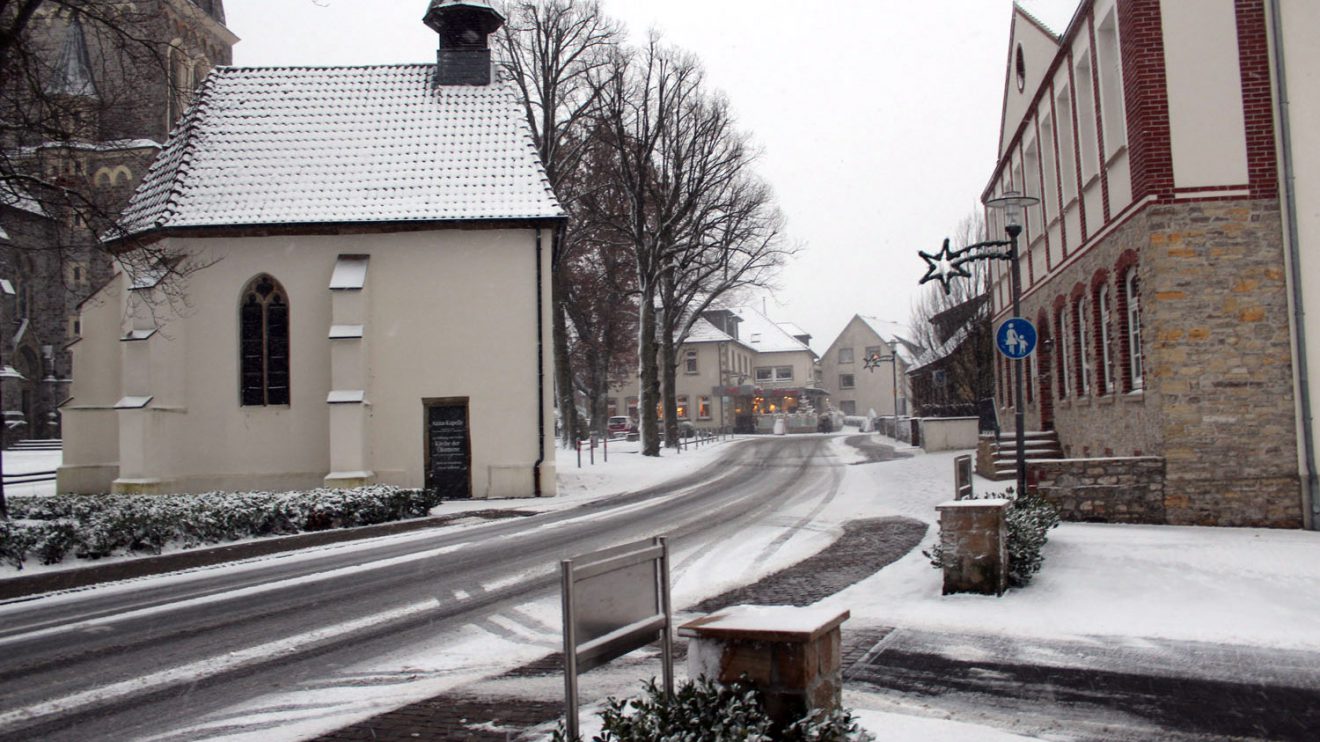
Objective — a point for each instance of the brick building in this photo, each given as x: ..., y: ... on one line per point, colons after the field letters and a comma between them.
x: 1156, y: 265
x: 84, y: 114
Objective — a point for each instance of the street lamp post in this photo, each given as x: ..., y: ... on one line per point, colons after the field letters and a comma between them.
x: 948, y: 265
x: 873, y: 362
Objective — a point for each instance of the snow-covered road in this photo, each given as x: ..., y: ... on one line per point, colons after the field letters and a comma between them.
x: 138, y: 659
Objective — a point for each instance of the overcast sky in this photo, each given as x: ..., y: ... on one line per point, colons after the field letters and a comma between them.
x: 877, y: 119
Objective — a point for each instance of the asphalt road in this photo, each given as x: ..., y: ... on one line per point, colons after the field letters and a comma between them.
x: 140, y: 659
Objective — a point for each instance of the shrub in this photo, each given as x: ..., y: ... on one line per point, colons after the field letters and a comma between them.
x: 705, y: 710
x: 1028, y: 518
x: 95, y: 526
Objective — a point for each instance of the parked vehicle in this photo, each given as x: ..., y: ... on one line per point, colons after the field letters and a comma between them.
x: 618, y: 425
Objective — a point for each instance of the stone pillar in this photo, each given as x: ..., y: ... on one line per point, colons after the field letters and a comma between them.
x: 350, y: 460
x: 790, y: 654
x: 974, y: 536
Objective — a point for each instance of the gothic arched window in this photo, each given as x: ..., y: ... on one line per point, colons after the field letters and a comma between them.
x: 263, y: 325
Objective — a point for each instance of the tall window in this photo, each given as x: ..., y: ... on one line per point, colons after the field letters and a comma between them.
x: 1132, y: 298
x: 264, y: 343
x: 1083, y: 360
x: 1109, y: 59
x: 1065, y: 354
x: 703, y: 408
x: 690, y: 362
x: 1104, y: 312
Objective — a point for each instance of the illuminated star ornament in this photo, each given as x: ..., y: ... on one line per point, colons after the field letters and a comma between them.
x: 944, y: 265
x: 873, y: 361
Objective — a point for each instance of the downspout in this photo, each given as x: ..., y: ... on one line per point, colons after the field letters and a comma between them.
x: 540, y: 372
x: 1309, y: 483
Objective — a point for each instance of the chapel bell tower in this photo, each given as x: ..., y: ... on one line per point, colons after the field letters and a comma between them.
x: 464, y: 27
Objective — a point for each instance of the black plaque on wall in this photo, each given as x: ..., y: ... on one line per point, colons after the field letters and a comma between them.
x: 448, y: 448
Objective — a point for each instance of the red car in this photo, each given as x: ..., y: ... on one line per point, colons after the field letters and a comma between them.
x: 618, y: 426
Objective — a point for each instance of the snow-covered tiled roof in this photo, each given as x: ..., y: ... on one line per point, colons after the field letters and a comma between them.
x: 13, y: 194
x: 894, y: 335
x: 704, y: 332
x: 764, y: 335
x: 321, y: 145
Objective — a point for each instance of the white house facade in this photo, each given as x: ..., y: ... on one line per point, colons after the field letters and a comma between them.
x: 354, y: 289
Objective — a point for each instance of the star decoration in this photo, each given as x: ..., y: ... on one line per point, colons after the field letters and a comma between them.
x: 943, y: 266
x: 872, y: 362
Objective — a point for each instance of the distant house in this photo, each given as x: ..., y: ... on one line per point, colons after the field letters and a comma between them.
x: 856, y: 386
x: 736, y: 369
x: 1157, y: 265
x: 374, y: 305
x: 951, y: 378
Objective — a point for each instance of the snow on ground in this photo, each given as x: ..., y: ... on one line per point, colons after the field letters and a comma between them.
x: 1247, y: 586
x: 27, y: 462
x: 1113, y: 584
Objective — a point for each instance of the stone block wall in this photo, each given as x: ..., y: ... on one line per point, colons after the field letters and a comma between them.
x: 1217, y: 399
x: 1117, y: 490
x: 1221, y: 361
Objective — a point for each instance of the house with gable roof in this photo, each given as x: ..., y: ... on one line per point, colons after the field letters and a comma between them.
x: 374, y: 305
x: 736, y: 370
x: 856, y: 387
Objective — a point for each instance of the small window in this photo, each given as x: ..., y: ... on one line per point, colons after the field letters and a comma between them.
x: 784, y: 373
x: 682, y: 404
x: 703, y: 408
x: 765, y: 374
x: 264, y: 343
x: 1020, y: 69
x: 848, y: 407
x: 845, y: 381
x: 845, y: 355
x: 691, y: 362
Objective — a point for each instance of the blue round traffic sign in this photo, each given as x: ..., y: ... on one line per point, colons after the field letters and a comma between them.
x: 1016, y: 338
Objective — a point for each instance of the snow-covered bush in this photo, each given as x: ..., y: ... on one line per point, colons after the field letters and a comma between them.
x: 1029, y: 519
x: 705, y: 710
x: 95, y: 526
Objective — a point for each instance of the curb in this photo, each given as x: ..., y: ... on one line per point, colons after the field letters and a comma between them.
x: 69, y: 579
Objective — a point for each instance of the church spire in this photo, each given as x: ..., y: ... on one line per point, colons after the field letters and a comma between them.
x: 73, y: 70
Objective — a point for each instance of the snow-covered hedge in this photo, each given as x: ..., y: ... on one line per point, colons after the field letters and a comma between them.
x: 94, y: 526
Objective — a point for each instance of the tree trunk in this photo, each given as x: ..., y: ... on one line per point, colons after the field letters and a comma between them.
x: 668, y: 388
x: 563, y: 363
x: 646, y: 370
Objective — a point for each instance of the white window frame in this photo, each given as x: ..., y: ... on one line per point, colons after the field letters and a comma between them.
x: 1106, y: 354
x: 690, y: 362
x: 1079, y: 309
x: 1132, y: 293
x: 851, y: 383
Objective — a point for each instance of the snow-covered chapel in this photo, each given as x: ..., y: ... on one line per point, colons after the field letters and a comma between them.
x: 373, y: 304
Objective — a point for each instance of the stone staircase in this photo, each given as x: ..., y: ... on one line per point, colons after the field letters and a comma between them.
x: 49, y: 444
x: 1040, y: 444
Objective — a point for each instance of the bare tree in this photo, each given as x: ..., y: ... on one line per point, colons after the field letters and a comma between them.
x: 646, y: 94
x: 955, y: 328
x: 558, y: 51
x: 734, y: 242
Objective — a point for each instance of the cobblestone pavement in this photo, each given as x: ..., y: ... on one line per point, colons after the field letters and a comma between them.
x: 1099, y: 688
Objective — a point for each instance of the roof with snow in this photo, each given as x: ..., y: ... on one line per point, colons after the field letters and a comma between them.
x: 14, y: 195
x: 763, y: 334
x: 383, y: 144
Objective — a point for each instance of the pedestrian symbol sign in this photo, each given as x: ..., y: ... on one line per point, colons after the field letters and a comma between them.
x: 1016, y: 338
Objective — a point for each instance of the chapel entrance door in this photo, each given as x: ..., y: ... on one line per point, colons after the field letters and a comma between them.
x: 448, y: 444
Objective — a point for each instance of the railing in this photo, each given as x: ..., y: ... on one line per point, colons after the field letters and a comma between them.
x: 32, y: 477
